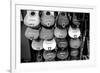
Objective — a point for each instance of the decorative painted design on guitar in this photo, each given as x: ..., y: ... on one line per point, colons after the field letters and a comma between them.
x: 75, y: 43
x: 62, y: 19
x: 60, y: 33
x: 49, y: 55
x: 37, y: 45
x: 74, y: 32
x: 31, y: 33
x: 47, y: 18
x: 62, y: 54
x: 32, y: 18
x: 46, y: 34
x: 49, y: 44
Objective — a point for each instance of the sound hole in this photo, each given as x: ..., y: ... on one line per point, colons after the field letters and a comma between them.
x: 32, y: 13
x: 63, y: 14
x: 47, y: 13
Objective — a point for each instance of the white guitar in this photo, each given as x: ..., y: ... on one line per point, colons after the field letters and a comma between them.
x: 47, y: 18
x: 32, y: 18
x: 31, y: 33
x: 62, y: 19
x: 74, y: 32
x: 49, y: 44
x: 60, y: 33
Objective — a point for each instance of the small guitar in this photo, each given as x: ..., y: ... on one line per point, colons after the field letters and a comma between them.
x: 49, y: 55
x: 62, y: 54
x: 47, y: 18
x: 31, y: 33
x: 49, y: 44
x: 75, y: 43
x: 46, y: 34
x: 32, y: 18
x: 62, y: 19
x: 74, y: 32
x: 60, y: 33
x: 37, y: 45
x: 75, y: 20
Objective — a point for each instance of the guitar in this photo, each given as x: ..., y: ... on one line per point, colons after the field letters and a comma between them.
x: 75, y: 20
x: 49, y: 55
x: 31, y: 33
x: 74, y: 53
x: 62, y: 54
x: 74, y: 32
x: 62, y: 43
x: 46, y: 34
x: 37, y: 45
x: 75, y: 43
x: 49, y: 44
x: 60, y: 33
x: 62, y: 19
x: 32, y: 18
x: 47, y: 18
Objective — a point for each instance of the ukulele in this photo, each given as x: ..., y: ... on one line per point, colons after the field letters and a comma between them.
x: 60, y: 33
x: 62, y: 54
x: 31, y: 33
x: 74, y: 53
x: 75, y: 43
x: 62, y: 43
x: 37, y: 44
x: 47, y: 18
x: 32, y: 18
x: 62, y: 19
x: 46, y: 34
x: 49, y: 55
x: 49, y: 44
x: 75, y: 20
x: 74, y: 32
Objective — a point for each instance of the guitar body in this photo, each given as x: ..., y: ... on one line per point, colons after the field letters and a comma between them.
x: 31, y: 33
x: 62, y: 43
x: 62, y: 54
x: 75, y: 43
x: 37, y: 45
x: 62, y: 19
x: 32, y: 18
x: 46, y: 34
x: 47, y: 18
x: 49, y: 44
x: 49, y: 55
x: 60, y: 33
x: 74, y: 32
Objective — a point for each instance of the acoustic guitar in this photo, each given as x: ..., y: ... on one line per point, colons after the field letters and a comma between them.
x: 32, y: 18
x: 74, y: 32
x: 60, y: 33
x: 31, y: 33
x: 49, y: 44
x: 46, y: 34
x: 47, y: 18
x: 62, y: 19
